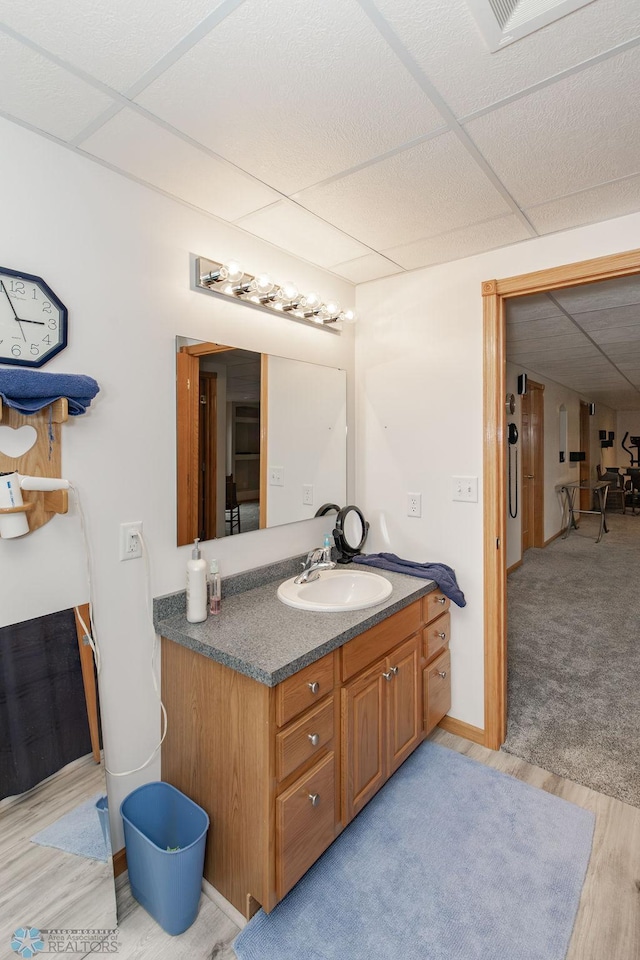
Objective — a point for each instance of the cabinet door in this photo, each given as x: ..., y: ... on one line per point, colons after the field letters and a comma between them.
x: 404, y: 713
x: 363, y: 735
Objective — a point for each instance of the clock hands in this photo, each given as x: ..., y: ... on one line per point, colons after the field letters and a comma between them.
x: 16, y: 317
x: 40, y: 323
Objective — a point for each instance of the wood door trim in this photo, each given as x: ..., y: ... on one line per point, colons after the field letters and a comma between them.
x: 264, y: 432
x: 208, y: 455
x: 494, y: 293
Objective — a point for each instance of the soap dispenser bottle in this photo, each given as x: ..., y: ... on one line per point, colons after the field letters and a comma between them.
x: 326, y: 550
x: 214, y: 588
x: 196, y: 586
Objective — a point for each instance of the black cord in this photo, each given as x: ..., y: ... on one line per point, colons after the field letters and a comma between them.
x: 513, y: 514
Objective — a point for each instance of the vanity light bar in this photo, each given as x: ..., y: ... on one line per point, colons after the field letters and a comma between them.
x: 229, y: 280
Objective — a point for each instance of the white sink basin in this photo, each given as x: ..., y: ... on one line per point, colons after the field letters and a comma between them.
x: 336, y: 590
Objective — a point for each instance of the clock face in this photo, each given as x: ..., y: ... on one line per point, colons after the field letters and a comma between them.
x: 33, y: 322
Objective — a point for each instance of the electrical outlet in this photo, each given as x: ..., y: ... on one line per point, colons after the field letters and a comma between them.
x: 307, y: 494
x: 414, y: 504
x: 130, y: 546
x: 466, y: 489
x: 276, y: 476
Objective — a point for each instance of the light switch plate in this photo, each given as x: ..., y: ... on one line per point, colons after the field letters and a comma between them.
x: 465, y: 488
x: 276, y: 476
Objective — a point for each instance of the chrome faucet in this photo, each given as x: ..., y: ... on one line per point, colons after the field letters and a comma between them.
x: 317, y: 559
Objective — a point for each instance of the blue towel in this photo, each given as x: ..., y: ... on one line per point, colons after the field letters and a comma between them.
x: 30, y: 390
x: 443, y: 575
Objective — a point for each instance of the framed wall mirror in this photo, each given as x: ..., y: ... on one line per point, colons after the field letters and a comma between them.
x: 261, y: 440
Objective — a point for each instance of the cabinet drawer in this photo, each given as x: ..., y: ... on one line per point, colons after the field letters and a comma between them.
x: 436, y: 635
x: 433, y: 605
x: 437, y: 690
x: 305, y: 822
x: 303, y: 689
x: 302, y: 739
x: 379, y: 640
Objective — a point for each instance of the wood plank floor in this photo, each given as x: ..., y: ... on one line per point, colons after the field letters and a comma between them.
x: 608, y: 922
x: 43, y: 886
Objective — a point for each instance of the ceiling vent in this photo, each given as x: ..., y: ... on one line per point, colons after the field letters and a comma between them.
x: 503, y: 22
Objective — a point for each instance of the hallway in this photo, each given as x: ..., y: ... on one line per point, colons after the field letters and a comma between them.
x: 573, y: 658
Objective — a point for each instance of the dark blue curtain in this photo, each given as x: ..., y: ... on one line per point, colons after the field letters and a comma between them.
x: 43, y: 713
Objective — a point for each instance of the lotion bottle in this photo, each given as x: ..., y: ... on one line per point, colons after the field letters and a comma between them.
x: 196, y: 586
x: 214, y: 588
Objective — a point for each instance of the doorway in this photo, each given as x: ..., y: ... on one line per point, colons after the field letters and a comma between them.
x: 532, y: 465
x: 495, y: 293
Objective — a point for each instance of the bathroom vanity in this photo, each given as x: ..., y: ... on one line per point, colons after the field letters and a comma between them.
x: 283, y: 724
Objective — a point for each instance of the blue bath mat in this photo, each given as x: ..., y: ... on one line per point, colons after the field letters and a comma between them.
x: 79, y: 832
x: 450, y: 861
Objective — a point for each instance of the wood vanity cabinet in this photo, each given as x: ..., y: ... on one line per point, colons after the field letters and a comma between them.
x: 436, y: 675
x: 282, y: 770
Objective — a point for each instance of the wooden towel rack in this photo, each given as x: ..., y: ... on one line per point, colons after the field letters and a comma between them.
x: 43, y: 459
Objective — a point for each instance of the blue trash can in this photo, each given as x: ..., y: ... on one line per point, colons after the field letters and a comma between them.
x: 165, y: 834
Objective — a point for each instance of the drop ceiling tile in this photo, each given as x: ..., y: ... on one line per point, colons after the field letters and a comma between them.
x: 627, y: 352
x: 561, y: 347
x: 542, y: 148
x: 115, y: 42
x: 596, y: 320
x: 142, y: 148
x: 464, y: 242
x: 589, y: 206
x: 294, y: 92
x: 611, y: 337
x: 446, y: 43
x: 419, y: 193
x: 536, y: 306
x: 34, y: 90
x: 373, y: 266
x: 604, y: 295
x: 298, y: 231
x: 548, y: 328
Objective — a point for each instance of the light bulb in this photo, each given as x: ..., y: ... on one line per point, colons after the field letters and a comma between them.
x: 311, y: 300
x: 262, y: 284
x: 288, y: 291
x: 231, y: 271
x: 330, y: 311
x: 348, y: 316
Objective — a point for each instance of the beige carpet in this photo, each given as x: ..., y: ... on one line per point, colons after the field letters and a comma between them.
x: 574, y: 658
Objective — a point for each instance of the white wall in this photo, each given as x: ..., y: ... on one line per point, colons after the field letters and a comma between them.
x: 117, y: 254
x: 555, y: 473
x: 419, y: 352
x: 306, y: 402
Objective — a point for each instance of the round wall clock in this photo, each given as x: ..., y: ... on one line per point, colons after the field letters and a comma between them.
x: 33, y: 321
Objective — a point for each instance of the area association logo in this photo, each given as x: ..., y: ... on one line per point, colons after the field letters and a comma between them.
x: 27, y: 942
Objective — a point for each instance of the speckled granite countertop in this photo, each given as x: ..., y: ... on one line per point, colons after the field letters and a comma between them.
x: 263, y: 638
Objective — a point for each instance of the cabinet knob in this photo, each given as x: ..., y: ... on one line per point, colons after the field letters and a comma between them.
x: 442, y: 673
x: 442, y: 600
x: 315, y: 799
x: 388, y: 675
x: 442, y: 636
x: 315, y: 739
x: 314, y: 687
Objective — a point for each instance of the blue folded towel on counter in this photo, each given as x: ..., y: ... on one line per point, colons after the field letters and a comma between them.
x: 440, y: 573
x: 30, y: 390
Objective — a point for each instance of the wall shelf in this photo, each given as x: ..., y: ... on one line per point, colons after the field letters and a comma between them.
x: 43, y: 459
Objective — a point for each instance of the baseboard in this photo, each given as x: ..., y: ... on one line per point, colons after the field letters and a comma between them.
x: 119, y: 862
x: 462, y: 729
x: 514, y: 566
x: 554, y: 537
x: 227, y: 908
